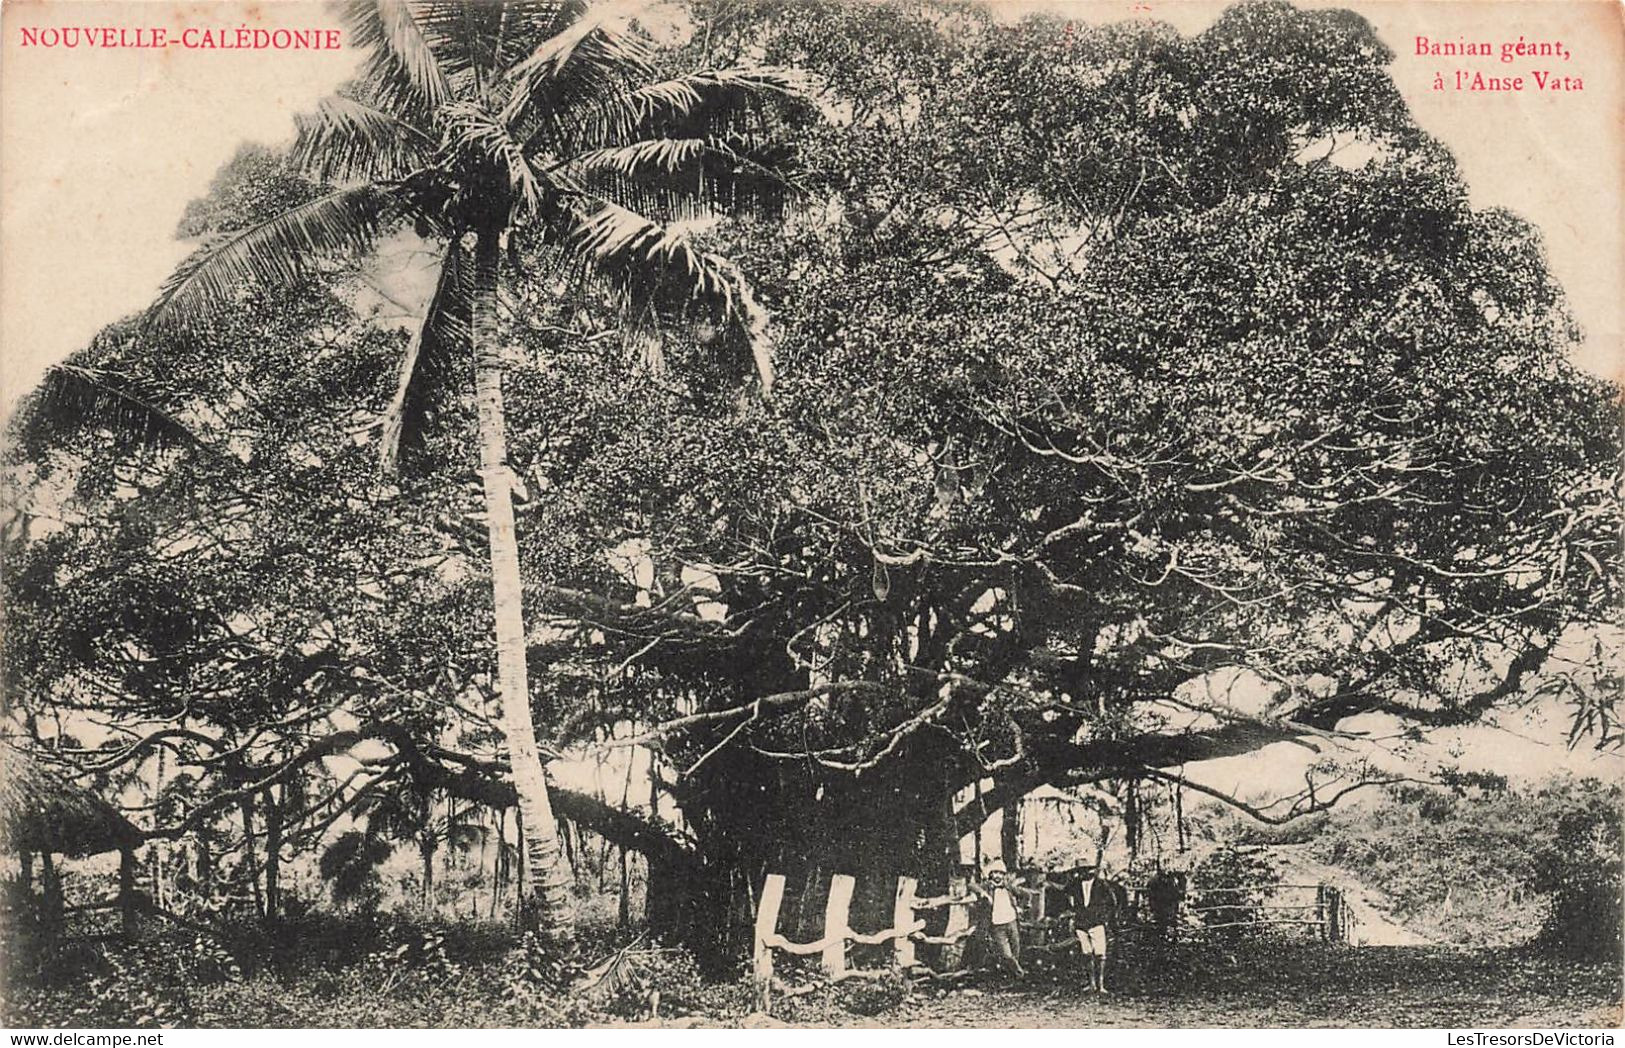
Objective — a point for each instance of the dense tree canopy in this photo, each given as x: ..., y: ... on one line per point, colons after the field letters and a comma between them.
x: 1140, y: 399
x: 1059, y: 458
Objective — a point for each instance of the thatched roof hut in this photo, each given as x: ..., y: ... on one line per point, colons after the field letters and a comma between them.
x: 41, y: 812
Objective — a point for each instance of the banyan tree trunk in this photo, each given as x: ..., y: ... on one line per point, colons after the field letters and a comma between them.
x: 53, y: 888
x: 1010, y: 833
x: 251, y: 859
x: 756, y: 816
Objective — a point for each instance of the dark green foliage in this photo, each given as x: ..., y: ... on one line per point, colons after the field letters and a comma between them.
x: 1144, y: 390
x: 532, y: 967
x: 1165, y: 439
x: 1199, y: 985
x: 324, y: 970
x: 1577, y: 864
x: 149, y: 982
x: 221, y: 586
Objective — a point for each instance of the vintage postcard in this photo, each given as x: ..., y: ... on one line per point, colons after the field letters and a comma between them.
x: 811, y: 513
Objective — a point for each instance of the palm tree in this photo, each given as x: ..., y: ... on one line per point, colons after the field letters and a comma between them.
x: 491, y: 125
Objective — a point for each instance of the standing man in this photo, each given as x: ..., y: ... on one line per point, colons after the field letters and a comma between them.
x: 1095, y: 903
x: 1004, y: 931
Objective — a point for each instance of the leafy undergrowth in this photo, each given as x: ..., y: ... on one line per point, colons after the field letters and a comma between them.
x: 372, y: 972
x: 417, y: 976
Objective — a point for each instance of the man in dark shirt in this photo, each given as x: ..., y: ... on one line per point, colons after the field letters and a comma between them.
x: 1095, y: 902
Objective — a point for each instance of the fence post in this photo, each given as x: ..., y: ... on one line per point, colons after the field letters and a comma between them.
x: 902, y: 916
x: 836, y: 913
x: 767, y: 922
x: 1334, y: 915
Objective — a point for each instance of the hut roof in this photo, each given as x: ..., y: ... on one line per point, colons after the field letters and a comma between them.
x: 42, y: 811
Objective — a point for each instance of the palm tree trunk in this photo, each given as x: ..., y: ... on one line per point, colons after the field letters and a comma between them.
x: 548, y: 889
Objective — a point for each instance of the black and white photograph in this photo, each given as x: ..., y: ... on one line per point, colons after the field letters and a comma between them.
x: 670, y: 514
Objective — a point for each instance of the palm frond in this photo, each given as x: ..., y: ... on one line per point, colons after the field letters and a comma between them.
x: 475, y: 41
x: 712, y: 93
x: 591, y: 58
x: 623, y: 976
x: 348, y: 139
x: 465, y: 35
x: 402, y: 67
x: 391, y: 815
x: 590, y: 39
x: 526, y: 23
x: 280, y: 249
x: 465, y: 836
x: 655, y: 271
x: 472, y: 130
x: 75, y: 398
x: 350, y: 865
x: 758, y: 335
x: 658, y: 154
x: 648, y: 257
x: 427, y: 364
x: 702, y: 103
x: 679, y: 178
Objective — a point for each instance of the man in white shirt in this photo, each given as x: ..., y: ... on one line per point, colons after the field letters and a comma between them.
x: 1004, y: 929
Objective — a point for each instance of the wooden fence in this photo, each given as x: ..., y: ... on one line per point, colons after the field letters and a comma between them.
x: 907, y: 930
x: 1328, y: 913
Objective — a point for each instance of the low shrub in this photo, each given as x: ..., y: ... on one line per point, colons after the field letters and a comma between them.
x: 1227, y: 885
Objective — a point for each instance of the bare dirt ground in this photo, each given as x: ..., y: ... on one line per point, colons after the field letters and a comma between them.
x: 1294, y: 986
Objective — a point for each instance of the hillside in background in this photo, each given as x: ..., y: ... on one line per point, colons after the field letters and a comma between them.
x: 1485, y: 864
